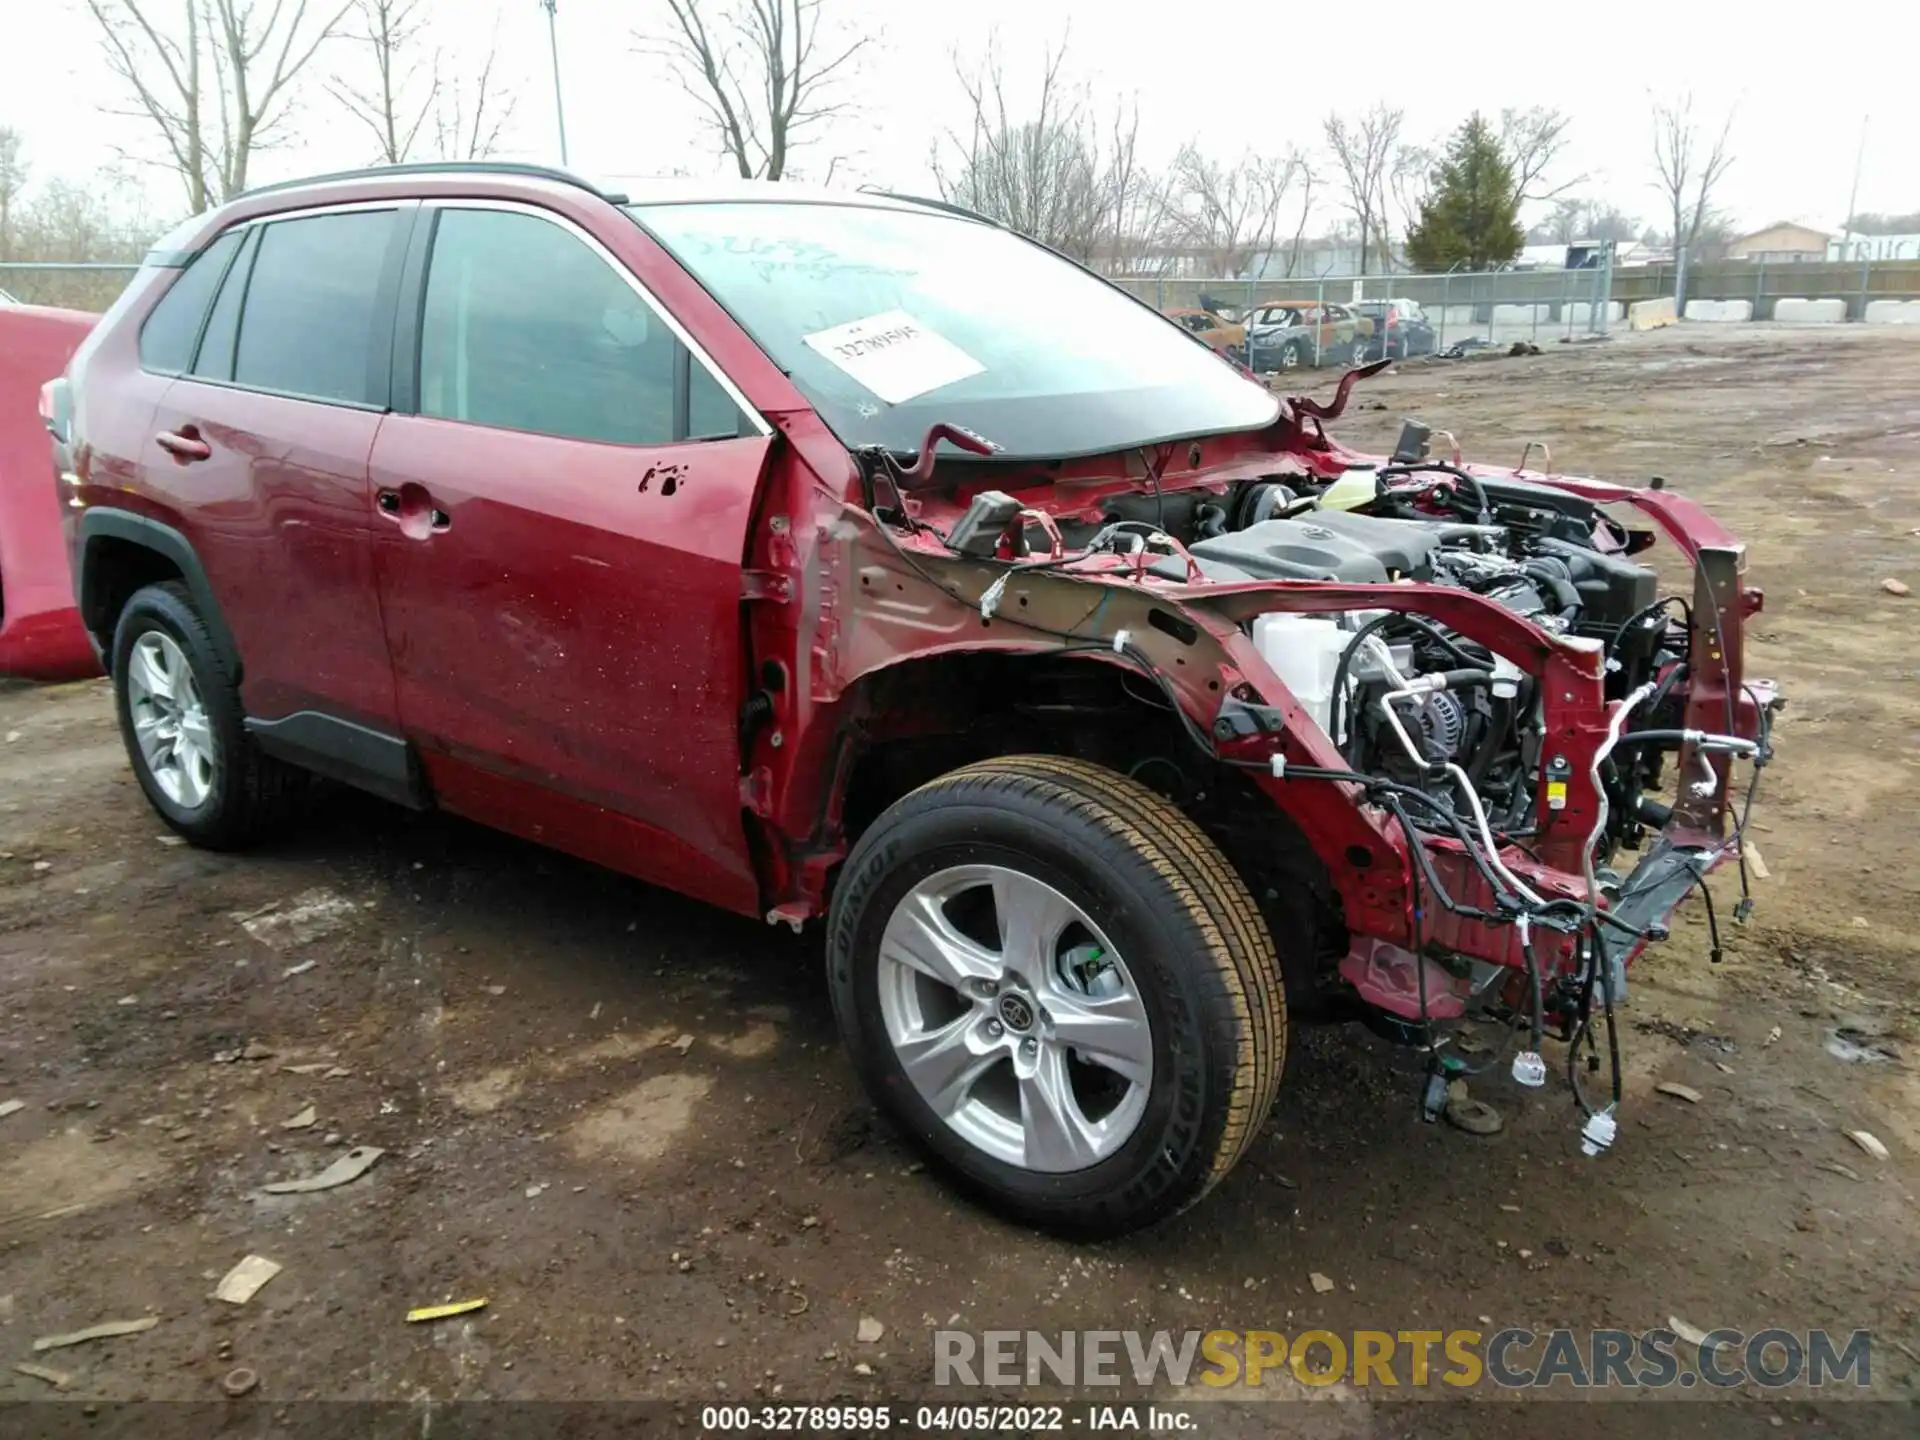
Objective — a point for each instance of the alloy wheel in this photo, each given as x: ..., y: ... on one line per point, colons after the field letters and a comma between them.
x: 1015, y: 1019
x: 170, y: 720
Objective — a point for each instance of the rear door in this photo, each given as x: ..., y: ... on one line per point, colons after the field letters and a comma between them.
x: 562, y: 524
x: 261, y: 447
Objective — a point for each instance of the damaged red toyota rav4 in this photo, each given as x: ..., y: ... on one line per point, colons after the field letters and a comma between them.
x: 771, y: 547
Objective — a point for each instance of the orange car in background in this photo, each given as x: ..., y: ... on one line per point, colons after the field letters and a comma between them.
x: 1212, y: 331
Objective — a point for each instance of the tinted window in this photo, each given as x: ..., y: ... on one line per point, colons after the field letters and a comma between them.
x: 711, y: 413
x: 313, y: 308
x: 527, y: 328
x: 215, y: 360
x: 166, y: 340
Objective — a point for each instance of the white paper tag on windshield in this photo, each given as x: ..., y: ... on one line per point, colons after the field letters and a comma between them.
x: 894, y: 355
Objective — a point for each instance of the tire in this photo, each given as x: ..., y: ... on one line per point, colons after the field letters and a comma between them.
x: 1173, y: 956
x: 207, y: 778
x: 1293, y: 356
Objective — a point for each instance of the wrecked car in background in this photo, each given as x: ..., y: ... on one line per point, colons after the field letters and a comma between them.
x: 1225, y: 337
x: 787, y: 549
x: 1291, y: 335
x: 41, y: 637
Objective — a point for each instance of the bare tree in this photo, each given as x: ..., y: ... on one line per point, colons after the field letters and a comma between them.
x: 406, y: 91
x: 1363, y: 148
x: 1575, y: 218
x: 217, y: 81
x: 1048, y: 168
x: 1308, y: 179
x: 1533, y: 141
x: 13, y: 180
x: 1036, y: 170
x: 762, y: 73
x: 1689, y: 166
x: 1409, y: 183
x: 388, y: 28
x: 470, y: 115
x: 1230, y: 211
x: 1136, y: 202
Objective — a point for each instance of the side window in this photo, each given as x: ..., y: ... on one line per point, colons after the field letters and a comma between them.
x: 167, y: 339
x: 215, y: 360
x: 526, y: 327
x: 313, y: 320
x: 711, y: 413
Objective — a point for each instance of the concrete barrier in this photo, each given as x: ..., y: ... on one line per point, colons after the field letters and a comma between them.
x: 1792, y: 310
x: 1652, y: 314
x: 1522, y: 314
x: 1579, y: 313
x: 1457, y: 317
x: 1893, y: 312
x: 1723, y: 312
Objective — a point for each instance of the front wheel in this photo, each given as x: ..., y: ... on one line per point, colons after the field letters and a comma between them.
x: 1055, y: 983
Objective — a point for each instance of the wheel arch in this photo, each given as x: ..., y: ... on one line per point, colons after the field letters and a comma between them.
x: 908, y: 724
x: 120, y: 552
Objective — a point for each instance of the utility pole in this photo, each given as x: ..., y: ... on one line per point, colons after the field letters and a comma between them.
x: 553, y: 42
x: 1853, y: 196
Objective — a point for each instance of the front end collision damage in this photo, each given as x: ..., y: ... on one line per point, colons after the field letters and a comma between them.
x: 1433, y: 921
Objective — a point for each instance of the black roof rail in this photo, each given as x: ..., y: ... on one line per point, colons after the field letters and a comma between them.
x: 931, y: 204
x: 446, y: 167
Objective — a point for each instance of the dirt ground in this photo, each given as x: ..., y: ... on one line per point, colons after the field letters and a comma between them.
x: 625, y: 1119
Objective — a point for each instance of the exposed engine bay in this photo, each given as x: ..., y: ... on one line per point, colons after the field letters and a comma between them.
x: 1490, y: 702
x: 1554, y: 559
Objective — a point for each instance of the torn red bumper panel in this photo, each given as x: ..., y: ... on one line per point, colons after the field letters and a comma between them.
x: 41, y: 637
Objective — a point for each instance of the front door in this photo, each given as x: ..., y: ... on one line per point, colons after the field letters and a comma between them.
x: 559, y: 539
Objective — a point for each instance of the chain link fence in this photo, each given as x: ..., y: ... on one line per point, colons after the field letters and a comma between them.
x: 68, y: 284
x: 1457, y: 312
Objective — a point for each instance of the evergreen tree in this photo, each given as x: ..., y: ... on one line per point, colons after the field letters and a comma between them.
x: 1471, y: 220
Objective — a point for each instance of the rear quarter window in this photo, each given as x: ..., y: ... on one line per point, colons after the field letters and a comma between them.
x: 315, y: 323
x: 172, y: 330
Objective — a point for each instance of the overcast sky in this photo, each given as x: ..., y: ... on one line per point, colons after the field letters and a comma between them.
x: 1229, y: 74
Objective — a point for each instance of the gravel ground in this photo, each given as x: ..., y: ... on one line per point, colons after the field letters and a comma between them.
x: 625, y: 1119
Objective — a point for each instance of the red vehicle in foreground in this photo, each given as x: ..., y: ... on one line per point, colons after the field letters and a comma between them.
x: 41, y: 637
x: 787, y: 550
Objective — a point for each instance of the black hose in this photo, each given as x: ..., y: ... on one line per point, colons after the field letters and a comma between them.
x: 1409, y: 467
x: 1533, y: 983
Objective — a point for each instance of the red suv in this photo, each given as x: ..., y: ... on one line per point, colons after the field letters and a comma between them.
x: 786, y: 549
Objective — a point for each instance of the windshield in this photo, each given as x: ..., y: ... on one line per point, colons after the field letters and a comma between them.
x: 1278, y: 316
x: 888, y: 320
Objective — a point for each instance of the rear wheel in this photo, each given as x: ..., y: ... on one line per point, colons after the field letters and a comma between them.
x: 183, y: 727
x: 1055, y: 983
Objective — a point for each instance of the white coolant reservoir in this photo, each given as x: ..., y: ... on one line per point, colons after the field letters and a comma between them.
x: 1356, y: 486
x: 1304, y: 651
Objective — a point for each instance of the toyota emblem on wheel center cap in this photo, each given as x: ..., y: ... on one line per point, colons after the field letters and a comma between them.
x: 1015, y: 1012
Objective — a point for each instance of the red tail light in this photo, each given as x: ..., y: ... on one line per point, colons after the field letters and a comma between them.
x: 46, y: 402
x: 1393, y: 320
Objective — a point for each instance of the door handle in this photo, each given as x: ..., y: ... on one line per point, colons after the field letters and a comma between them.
x: 184, y: 444
x: 412, y: 508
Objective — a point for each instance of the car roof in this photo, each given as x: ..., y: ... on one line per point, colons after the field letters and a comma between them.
x: 513, y: 180
x: 616, y: 189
